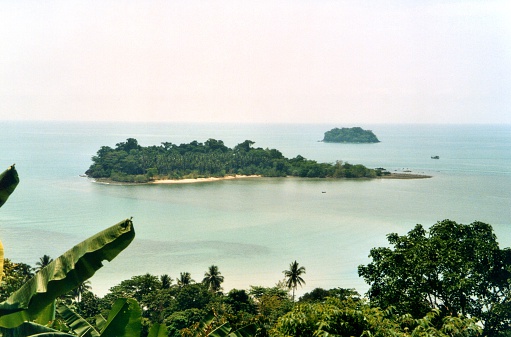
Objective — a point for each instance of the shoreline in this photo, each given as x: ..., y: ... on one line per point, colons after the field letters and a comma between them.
x: 201, y: 180
x: 238, y: 176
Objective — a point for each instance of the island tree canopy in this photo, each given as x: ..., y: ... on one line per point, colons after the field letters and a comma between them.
x: 130, y: 162
x: 350, y: 135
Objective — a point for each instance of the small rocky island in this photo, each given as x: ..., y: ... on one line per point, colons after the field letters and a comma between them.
x: 350, y: 135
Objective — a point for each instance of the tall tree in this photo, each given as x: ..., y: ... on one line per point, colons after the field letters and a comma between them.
x: 213, y: 279
x: 184, y: 279
x: 456, y: 268
x: 293, y: 276
x: 166, y: 281
x: 78, y: 292
x: 43, y: 262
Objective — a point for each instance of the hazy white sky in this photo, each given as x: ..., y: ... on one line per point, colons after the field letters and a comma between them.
x: 307, y: 61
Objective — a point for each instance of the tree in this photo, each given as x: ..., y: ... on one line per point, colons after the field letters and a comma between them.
x: 166, y: 281
x: 78, y: 292
x: 137, y: 287
x: 15, y: 275
x: 43, y: 262
x: 456, y: 268
x: 356, y: 318
x: 320, y: 295
x: 184, y: 279
x: 293, y: 276
x: 213, y: 279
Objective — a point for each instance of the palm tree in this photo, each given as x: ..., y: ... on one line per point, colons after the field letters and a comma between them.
x: 213, y: 279
x: 43, y: 262
x: 293, y: 278
x: 184, y: 279
x: 166, y: 281
x: 78, y: 292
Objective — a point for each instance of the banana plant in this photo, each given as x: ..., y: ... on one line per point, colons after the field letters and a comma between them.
x: 30, y: 308
x: 8, y: 181
x: 64, y: 274
x: 123, y: 320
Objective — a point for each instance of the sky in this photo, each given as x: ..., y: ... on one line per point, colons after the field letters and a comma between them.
x: 260, y: 61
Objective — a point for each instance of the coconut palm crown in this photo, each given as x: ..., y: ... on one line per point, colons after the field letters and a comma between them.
x: 213, y: 279
x: 293, y: 276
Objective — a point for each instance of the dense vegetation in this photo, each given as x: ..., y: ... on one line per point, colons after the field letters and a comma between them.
x: 455, y: 268
x: 350, y: 135
x: 451, y: 281
x: 130, y: 162
x: 196, y: 309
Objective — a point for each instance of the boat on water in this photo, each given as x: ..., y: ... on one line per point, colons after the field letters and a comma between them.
x: 435, y: 157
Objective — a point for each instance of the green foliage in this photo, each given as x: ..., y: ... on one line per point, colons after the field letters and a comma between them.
x: 321, y: 295
x: 132, y: 163
x: 350, y: 135
x: 137, y: 287
x: 8, y: 181
x: 15, y: 275
x: 212, y: 326
x: 357, y: 318
x: 76, y: 323
x: 213, y: 279
x: 124, y: 319
x: 28, y: 310
x: 458, y: 269
x: 293, y: 276
x: 65, y: 273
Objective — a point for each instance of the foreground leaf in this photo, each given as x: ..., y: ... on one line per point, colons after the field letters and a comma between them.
x: 31, y: 329
x: 65, y: 273
x: 77, y: 323
x: 158, y: 330
x: 8, y: 181
x: 124, y: 320
x: 246, y: 331
x: 221, y: 331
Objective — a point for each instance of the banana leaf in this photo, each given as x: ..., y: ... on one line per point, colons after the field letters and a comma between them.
x: 222, y: 331
x: 100, y: 322
x: 31, y: 329
x: 8, y: 181
x: 204, y: 324
x: 46, y: 315
x: 246, y: 331
x: 65, y: 273
x: 158, y: 330
x: 77, y: 323
x: 124, y: 320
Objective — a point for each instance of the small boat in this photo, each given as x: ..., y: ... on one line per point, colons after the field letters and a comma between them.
x: 435, y: 157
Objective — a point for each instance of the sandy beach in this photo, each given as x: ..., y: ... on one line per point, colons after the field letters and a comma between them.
x: 201, y: 180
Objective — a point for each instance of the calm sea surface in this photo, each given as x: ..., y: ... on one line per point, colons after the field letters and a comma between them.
x: 251, y: 228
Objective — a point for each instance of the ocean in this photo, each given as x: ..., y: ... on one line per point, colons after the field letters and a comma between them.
x: 252, y: 229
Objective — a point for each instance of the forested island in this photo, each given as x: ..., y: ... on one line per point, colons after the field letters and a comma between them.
x: 350, y: 135
x: 131, y: 162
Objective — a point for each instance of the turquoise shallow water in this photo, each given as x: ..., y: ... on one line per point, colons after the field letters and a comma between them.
x: 251, y: 228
